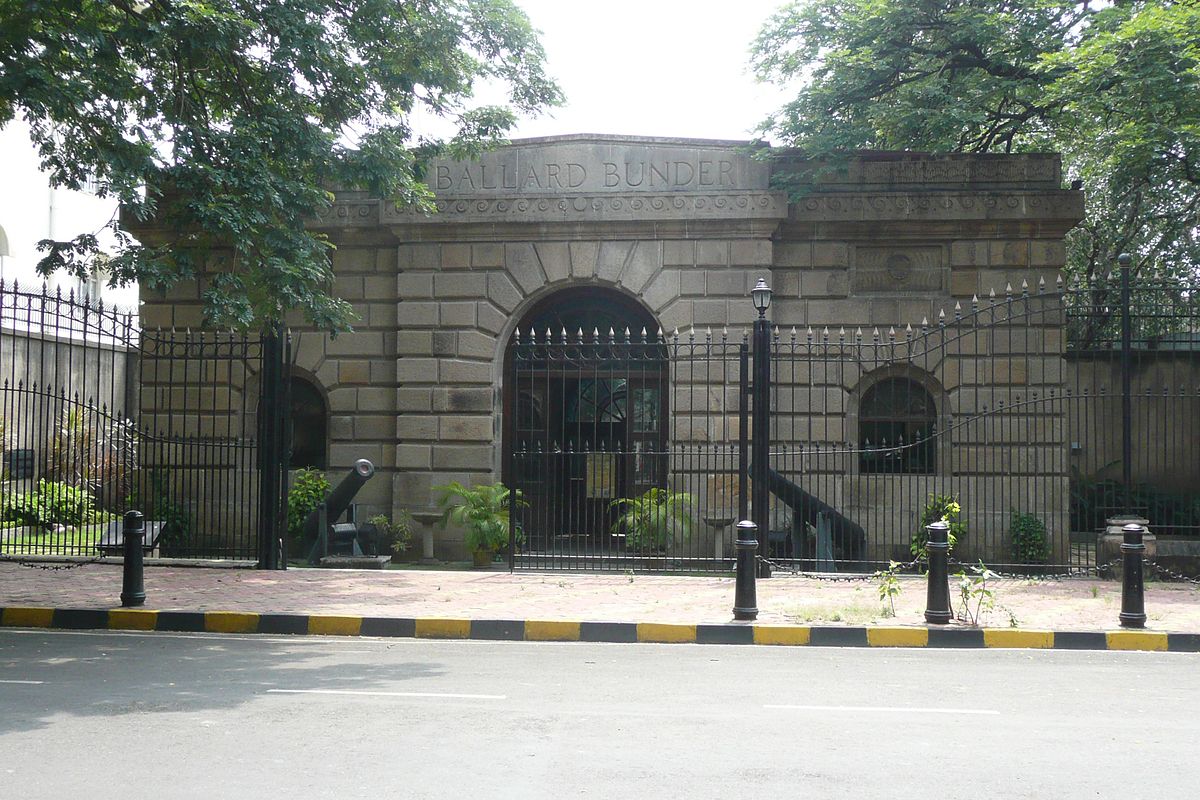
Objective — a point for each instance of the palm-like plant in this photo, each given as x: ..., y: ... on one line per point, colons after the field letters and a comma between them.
x: 481, y: 510
x: 650, y: 520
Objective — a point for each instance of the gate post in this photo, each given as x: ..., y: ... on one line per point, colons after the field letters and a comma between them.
x: 273, y: 422
x: 761, y: 296
x: 1124, y: 260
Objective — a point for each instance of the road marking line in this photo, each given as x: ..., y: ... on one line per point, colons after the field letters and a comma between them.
x: 450, y: 695
x: 876, y: 709
x: 25, y: 683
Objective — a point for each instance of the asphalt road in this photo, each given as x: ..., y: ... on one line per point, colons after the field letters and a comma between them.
x: 119, y: 715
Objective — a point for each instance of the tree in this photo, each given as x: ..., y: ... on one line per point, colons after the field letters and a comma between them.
x: 228, y: 122
x: 1114, y: 87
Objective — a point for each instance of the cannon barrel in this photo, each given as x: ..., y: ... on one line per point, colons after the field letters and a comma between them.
x: 339, y: 498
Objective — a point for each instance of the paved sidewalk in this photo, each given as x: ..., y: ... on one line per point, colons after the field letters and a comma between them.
x: 1062, y: 605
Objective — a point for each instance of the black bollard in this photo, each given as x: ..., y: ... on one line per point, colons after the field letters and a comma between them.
x: 133, y: 590
x: 937, y: 598
x: 745, y: 598
x: 1133, y: 589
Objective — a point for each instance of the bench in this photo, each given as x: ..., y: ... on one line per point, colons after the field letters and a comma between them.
x: 112, y: 540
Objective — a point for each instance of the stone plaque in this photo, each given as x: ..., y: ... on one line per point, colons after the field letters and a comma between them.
x: 890, y: 270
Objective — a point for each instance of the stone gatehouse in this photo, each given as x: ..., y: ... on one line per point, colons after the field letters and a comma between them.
x: 666, y: 234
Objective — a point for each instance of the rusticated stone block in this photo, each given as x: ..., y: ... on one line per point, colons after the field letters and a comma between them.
x: 485, y: 256
x: 555, y: 258
x: 752, y: 252
x: 830, y: 254
x: 679, y: 253
x: 414, y: 399
x: 455, y: 371
x: 491, y: 318
x: 583, y: 259
x: 416, y: 370
x: 416, y: 428
x: 354, y: 372
x: 712, y: 253
x: 462, y: 399
x: 471, y: 429
x: 462, y: 456
x: 459, y: 314
x: 460, y: 284
x: 456, y: 256
x: 414, y: 343
x: 521, y: 262
x: 414, y: 456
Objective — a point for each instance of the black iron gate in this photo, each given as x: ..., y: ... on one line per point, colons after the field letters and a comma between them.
x: 1026, y: 418
x: 100, y: 417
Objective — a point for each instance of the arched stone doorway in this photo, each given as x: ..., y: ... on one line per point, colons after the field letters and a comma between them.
x: 585, y: 410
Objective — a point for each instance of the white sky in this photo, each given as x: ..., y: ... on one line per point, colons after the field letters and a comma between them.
x: 653, y: 67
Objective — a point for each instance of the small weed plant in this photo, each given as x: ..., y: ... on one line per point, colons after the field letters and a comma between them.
x: 977, y: 596
x: 889, y: 587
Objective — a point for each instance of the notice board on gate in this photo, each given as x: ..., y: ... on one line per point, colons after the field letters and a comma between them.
x: 601, y: 475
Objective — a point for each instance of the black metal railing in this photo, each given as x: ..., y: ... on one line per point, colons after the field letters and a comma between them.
x: 1020, y: 416
x: 100, y: 417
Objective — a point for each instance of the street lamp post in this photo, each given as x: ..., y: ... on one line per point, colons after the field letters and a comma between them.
x: 761, y: 297
x: 750, y: 532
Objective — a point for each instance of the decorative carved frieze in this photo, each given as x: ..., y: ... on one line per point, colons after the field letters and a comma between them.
x: 892, y: 270
x: 938, y: 205
x: 579, y: 207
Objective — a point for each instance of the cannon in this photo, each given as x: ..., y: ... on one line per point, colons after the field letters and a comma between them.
x: 321, y: 526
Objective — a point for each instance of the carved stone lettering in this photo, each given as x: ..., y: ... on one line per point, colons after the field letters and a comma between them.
x: 598, y: 166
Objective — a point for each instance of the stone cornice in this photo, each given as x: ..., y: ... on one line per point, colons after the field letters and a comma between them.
x: 572, y: 208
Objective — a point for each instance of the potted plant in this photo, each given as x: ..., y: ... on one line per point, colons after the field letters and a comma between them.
x: 483, y: 512
x: 650, y: 521
x: 391, y: 536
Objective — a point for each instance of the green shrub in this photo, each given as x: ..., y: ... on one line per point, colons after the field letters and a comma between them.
x: 482, y: 511
x: 394, y: 534
x: 650, y: 520
x: 52, y: 503
x: 1030, y: 544
x: 306, y: 491
x: 939, y: 507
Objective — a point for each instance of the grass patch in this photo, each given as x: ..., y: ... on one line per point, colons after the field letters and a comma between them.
x: 850, y: 614
x: 29, y: 541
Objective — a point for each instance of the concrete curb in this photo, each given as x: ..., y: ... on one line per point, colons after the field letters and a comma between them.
x: 561, y: 631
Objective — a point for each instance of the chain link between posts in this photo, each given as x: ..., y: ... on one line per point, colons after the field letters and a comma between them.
x: 51, y: 566
x: 1098, y: 571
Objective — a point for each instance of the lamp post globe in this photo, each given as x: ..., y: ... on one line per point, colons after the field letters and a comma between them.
x: 760, y: 295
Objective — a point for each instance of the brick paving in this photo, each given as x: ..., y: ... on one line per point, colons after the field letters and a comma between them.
x: 1076, y: 604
